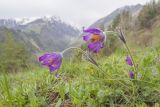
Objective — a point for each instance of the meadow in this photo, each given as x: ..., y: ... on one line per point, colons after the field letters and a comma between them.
x: 82, y: 84
x: 125, y: 73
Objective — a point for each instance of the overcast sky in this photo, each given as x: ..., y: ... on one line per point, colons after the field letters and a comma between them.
x: 75, y: 12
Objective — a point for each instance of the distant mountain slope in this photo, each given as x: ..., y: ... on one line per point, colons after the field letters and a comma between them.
x: 46, y: 34
x: 134, y: 10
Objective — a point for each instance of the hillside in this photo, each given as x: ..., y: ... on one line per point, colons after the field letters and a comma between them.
x: 42, y: 34
x: 107, y: 20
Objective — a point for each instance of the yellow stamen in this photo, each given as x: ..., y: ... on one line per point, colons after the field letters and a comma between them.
x: 95, y: 38
x: 50, y: 61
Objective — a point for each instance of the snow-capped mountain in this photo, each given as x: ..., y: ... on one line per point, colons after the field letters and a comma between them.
x: 45, y: 33
x: 18, y: 22
x: 24, y: 21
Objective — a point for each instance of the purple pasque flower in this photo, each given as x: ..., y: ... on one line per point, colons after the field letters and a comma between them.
x: 129, y: 61
x: 131, y: 74
x: 52, y: 60
x: 95, y: 39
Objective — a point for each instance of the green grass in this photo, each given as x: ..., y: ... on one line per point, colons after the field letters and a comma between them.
x: 81, y: 84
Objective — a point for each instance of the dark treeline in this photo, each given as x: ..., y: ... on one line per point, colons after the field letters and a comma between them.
x: 13, y: 55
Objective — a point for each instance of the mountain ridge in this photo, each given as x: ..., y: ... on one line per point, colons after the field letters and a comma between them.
x: 106, y: 21
x: 46, y: 33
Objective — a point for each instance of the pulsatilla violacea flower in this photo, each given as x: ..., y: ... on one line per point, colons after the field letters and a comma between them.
x: 129, y: 60
x: 95, y: 39
x: 131, y: 74
x: 52, y: 60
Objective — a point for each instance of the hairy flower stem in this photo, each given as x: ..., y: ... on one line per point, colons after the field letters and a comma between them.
x: 65, y: 50
x: 135, y: 70
x: 122, y: 38
x: 134, y: 65
x: 90, y: 59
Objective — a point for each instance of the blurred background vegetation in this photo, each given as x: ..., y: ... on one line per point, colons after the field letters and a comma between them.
x: 14, y: 55
x: 141, y: 31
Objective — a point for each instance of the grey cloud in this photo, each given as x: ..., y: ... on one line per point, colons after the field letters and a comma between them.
x: 77, y: 12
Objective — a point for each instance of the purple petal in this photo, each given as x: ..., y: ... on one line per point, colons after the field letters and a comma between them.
x: 43, y: 56
x: 46, y: 58
x: 95, y: 46
x: 87, y: 37
x: 93, y: 30
x: 129, y: 61
x: 131, y: 74
x: 56, y: 63
x: 51, y: 69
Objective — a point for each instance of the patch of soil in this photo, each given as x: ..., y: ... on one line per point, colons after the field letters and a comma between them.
x: 67, y: 103
x: 53, y: 97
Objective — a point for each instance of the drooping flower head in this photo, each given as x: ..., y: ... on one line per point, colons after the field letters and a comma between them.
x: 121, y: 35
x: 129, y: 61
x: 52, y: 60
x: 131, y: 74
x: 95, y: 39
